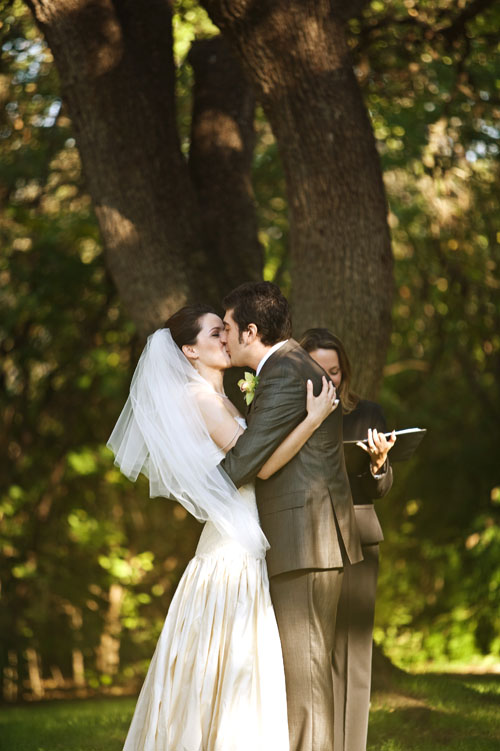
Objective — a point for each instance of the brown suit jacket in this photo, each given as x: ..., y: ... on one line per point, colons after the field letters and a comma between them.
x: 306, y: 507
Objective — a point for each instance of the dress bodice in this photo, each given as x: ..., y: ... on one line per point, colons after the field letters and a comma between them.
x: 211, y: 541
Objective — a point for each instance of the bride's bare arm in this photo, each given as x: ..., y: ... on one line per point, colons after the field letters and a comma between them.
x: 221, y: 424
x: 318, y: 409
x: 225, y: 431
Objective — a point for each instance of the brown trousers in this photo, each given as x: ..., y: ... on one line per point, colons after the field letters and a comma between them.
x: 304, y: 602
x: 352, y: 655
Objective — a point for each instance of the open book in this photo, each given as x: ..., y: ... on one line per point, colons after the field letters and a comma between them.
x: 406, y: 443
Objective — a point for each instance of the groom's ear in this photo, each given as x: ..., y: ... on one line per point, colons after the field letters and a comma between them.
x: 253, y: 332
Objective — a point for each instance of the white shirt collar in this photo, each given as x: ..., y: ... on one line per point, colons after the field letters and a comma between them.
x: 268, y: 355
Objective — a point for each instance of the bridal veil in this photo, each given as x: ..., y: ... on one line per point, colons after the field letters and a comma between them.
x: 161, y: 433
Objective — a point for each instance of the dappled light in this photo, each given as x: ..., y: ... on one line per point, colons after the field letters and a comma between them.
x: 88, y: 562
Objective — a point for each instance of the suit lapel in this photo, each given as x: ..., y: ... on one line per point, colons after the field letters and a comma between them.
x: 249, y: 408
x: 281, y: 352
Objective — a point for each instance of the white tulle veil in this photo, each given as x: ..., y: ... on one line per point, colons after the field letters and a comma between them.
x: 161, y: 433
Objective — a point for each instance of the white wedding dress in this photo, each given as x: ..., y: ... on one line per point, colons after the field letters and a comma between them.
x: 216, y: 680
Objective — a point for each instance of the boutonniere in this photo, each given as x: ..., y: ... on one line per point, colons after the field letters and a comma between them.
x: 247, y: 385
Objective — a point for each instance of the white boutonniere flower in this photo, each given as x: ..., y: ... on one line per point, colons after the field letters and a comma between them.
x: 247, y: 385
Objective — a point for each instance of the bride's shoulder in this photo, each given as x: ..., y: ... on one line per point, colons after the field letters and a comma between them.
x: 213, y: 406
x: 219, y: 418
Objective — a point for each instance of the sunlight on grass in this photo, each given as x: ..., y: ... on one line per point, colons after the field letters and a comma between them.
x: 436, y: 712
x: 413, y: 713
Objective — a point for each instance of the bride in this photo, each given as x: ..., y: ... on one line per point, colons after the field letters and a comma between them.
x: 216, y: 680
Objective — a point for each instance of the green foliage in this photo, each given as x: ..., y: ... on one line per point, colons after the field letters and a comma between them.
x: 73, y: 530
x: 71, y: 525
x: 435, y: 108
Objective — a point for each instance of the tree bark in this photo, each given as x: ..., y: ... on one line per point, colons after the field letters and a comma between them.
x: 296, y: 55
x: 77, y: 658
x: 117, y: 73
x: 114, y: 59
x: 171, y: 233
x: 220, y: 160
x: 78, y: 667
x: 108, y: 652
x: 35, y: 677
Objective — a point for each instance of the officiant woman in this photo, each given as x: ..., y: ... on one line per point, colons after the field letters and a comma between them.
x: 352, y: 656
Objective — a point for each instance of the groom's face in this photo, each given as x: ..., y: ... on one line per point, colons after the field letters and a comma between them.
x: 236, y: 342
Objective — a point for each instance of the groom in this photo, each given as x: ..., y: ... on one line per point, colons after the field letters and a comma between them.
x: 305, y: 509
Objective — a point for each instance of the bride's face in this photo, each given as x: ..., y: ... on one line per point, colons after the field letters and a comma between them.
x: 209, y: 351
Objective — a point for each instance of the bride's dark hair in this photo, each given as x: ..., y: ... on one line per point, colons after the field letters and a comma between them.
x: 185, y: 324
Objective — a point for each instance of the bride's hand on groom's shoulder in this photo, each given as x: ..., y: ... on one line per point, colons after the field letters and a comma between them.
x: 319, y: 407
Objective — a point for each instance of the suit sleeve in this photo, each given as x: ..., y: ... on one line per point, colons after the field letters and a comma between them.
x: 279, y: 406
x: 377, y: 487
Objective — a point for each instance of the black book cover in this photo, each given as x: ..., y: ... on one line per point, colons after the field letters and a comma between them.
x: 406, y: 444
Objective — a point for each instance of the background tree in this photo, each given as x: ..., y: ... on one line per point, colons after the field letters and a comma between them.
x: 296, y: 55
x: 429, y: 75
x: 87, y: 562
x: 115, y: 61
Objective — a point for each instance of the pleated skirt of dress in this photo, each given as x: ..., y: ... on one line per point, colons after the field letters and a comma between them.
x: 216, y: 680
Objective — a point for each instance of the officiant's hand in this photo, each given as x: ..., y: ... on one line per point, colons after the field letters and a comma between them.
x: 378, y: 447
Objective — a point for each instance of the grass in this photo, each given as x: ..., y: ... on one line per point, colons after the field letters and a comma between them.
x: 435, y: 712
x: 412, y: 713
x: 80, y: 725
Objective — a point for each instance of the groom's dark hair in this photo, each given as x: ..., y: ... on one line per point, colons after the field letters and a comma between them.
x: 263, y: 304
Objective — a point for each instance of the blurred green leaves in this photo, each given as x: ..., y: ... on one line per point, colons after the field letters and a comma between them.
x: 71, y: 527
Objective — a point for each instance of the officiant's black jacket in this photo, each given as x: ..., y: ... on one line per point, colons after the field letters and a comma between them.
x: 307, y: 504
x: 364, y: 487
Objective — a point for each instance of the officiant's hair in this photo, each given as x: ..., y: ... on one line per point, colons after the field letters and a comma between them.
x: 314, y: 339
x: 185, y: 324
x: 263, y: 304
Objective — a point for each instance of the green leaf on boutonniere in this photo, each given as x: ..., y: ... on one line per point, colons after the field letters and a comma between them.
x: 247, y: 385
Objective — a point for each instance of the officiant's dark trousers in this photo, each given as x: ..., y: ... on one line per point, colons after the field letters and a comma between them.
x: 304, y: 601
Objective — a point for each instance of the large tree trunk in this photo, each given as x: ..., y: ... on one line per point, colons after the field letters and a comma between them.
x: 295, y: 52
x: 220, y: 160
x: 172, y: 233
x: 115, y: 62
x: 117, y: 75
